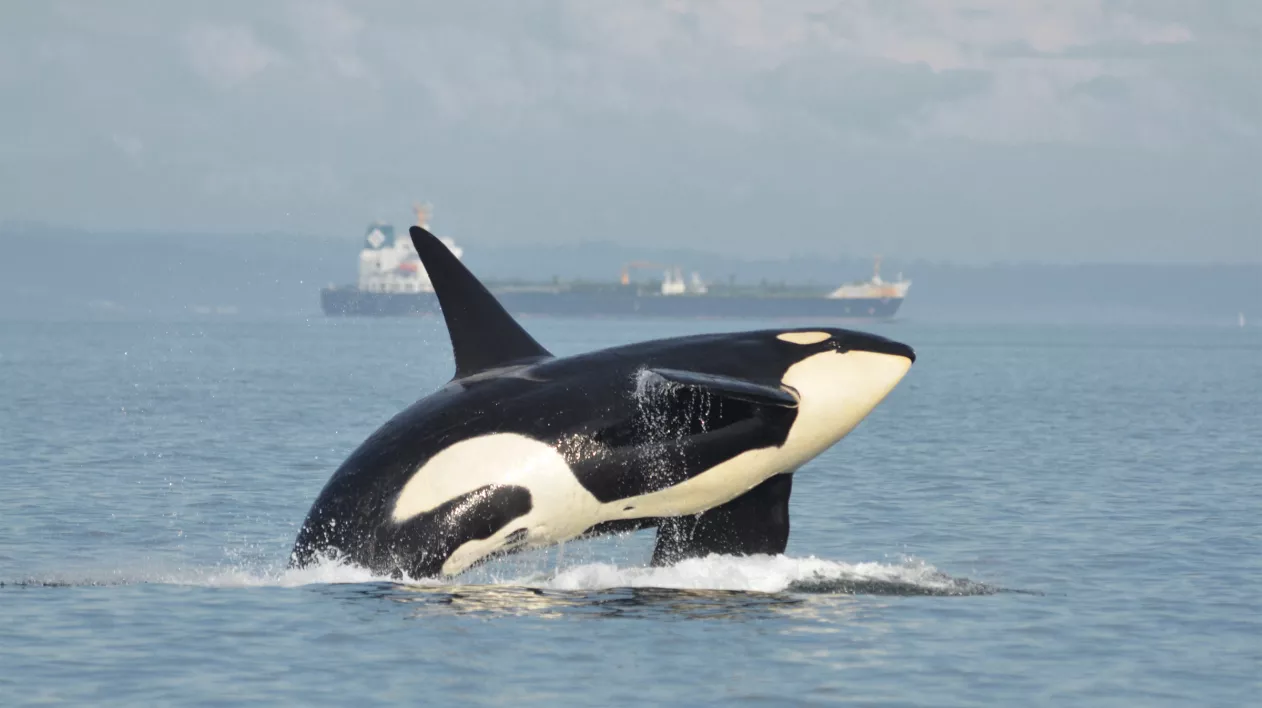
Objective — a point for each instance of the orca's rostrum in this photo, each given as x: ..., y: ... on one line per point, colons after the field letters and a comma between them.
x: 697, y: 436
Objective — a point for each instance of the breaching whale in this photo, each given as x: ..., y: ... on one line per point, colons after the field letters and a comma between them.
x: 698, y: 436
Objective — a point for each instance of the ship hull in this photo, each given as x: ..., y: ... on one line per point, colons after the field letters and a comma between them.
x: 350, y: 301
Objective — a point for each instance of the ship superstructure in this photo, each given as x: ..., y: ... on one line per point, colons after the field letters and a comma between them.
x: 673, y: 282
x: 876, y: 288
x: 388, y: 262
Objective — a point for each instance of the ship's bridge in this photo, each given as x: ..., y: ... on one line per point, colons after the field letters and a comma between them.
x: 389, y: 263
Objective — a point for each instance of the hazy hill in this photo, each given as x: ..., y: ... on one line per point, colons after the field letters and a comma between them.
x: 52, y: 272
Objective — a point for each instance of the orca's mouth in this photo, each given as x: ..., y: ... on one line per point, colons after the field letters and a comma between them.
x: 897, y: 349
x: 797, y: 395
x: 875, y: 344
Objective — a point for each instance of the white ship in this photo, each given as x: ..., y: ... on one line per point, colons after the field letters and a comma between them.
x: 874, y: 289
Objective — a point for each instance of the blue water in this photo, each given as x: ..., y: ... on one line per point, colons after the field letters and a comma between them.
x: 1045, y: 516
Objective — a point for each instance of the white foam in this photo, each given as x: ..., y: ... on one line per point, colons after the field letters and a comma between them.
x: 747, y: 573
x: 767, y: 574
x: 325, y: 573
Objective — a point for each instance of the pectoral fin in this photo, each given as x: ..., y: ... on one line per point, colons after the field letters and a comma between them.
x: 728, y: 387
x: 756, y: 522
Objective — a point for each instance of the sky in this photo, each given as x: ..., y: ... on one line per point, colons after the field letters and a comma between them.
x: 971, y: 131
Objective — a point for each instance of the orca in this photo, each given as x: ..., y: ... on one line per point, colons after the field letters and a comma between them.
x: 698, y: 436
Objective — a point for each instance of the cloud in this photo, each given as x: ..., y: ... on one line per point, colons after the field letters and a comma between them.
x: 232, y: 113
x: 227, y: 56
x: 990, y: 71
x: 1002, y: 71
x: 330, y: 35
x: 129, y: 145
x: 263, y: 183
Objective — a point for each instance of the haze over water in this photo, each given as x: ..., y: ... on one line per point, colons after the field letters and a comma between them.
x: 1043, y: 515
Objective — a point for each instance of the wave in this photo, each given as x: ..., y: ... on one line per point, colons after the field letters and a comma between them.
x: 756, y: 574
x: 767, y: 574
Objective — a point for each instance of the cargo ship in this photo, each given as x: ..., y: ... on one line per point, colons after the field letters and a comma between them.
x: 392, y: 282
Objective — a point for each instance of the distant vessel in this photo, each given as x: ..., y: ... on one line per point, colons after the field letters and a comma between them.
x: 389, y: 264
x: 392, y: 282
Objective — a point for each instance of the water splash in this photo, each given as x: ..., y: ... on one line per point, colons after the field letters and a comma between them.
x: 756, y: 574
x: 767, y: 574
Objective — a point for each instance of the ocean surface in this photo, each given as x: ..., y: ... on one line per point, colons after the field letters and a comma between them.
x: 1036, y: 516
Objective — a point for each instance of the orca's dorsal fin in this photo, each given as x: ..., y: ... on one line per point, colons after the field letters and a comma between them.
x: 483, y: 335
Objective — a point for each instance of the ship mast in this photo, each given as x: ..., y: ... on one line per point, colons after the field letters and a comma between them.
x: 423, y: 212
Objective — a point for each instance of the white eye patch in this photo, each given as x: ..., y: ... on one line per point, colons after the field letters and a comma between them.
x: 803, y: 337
